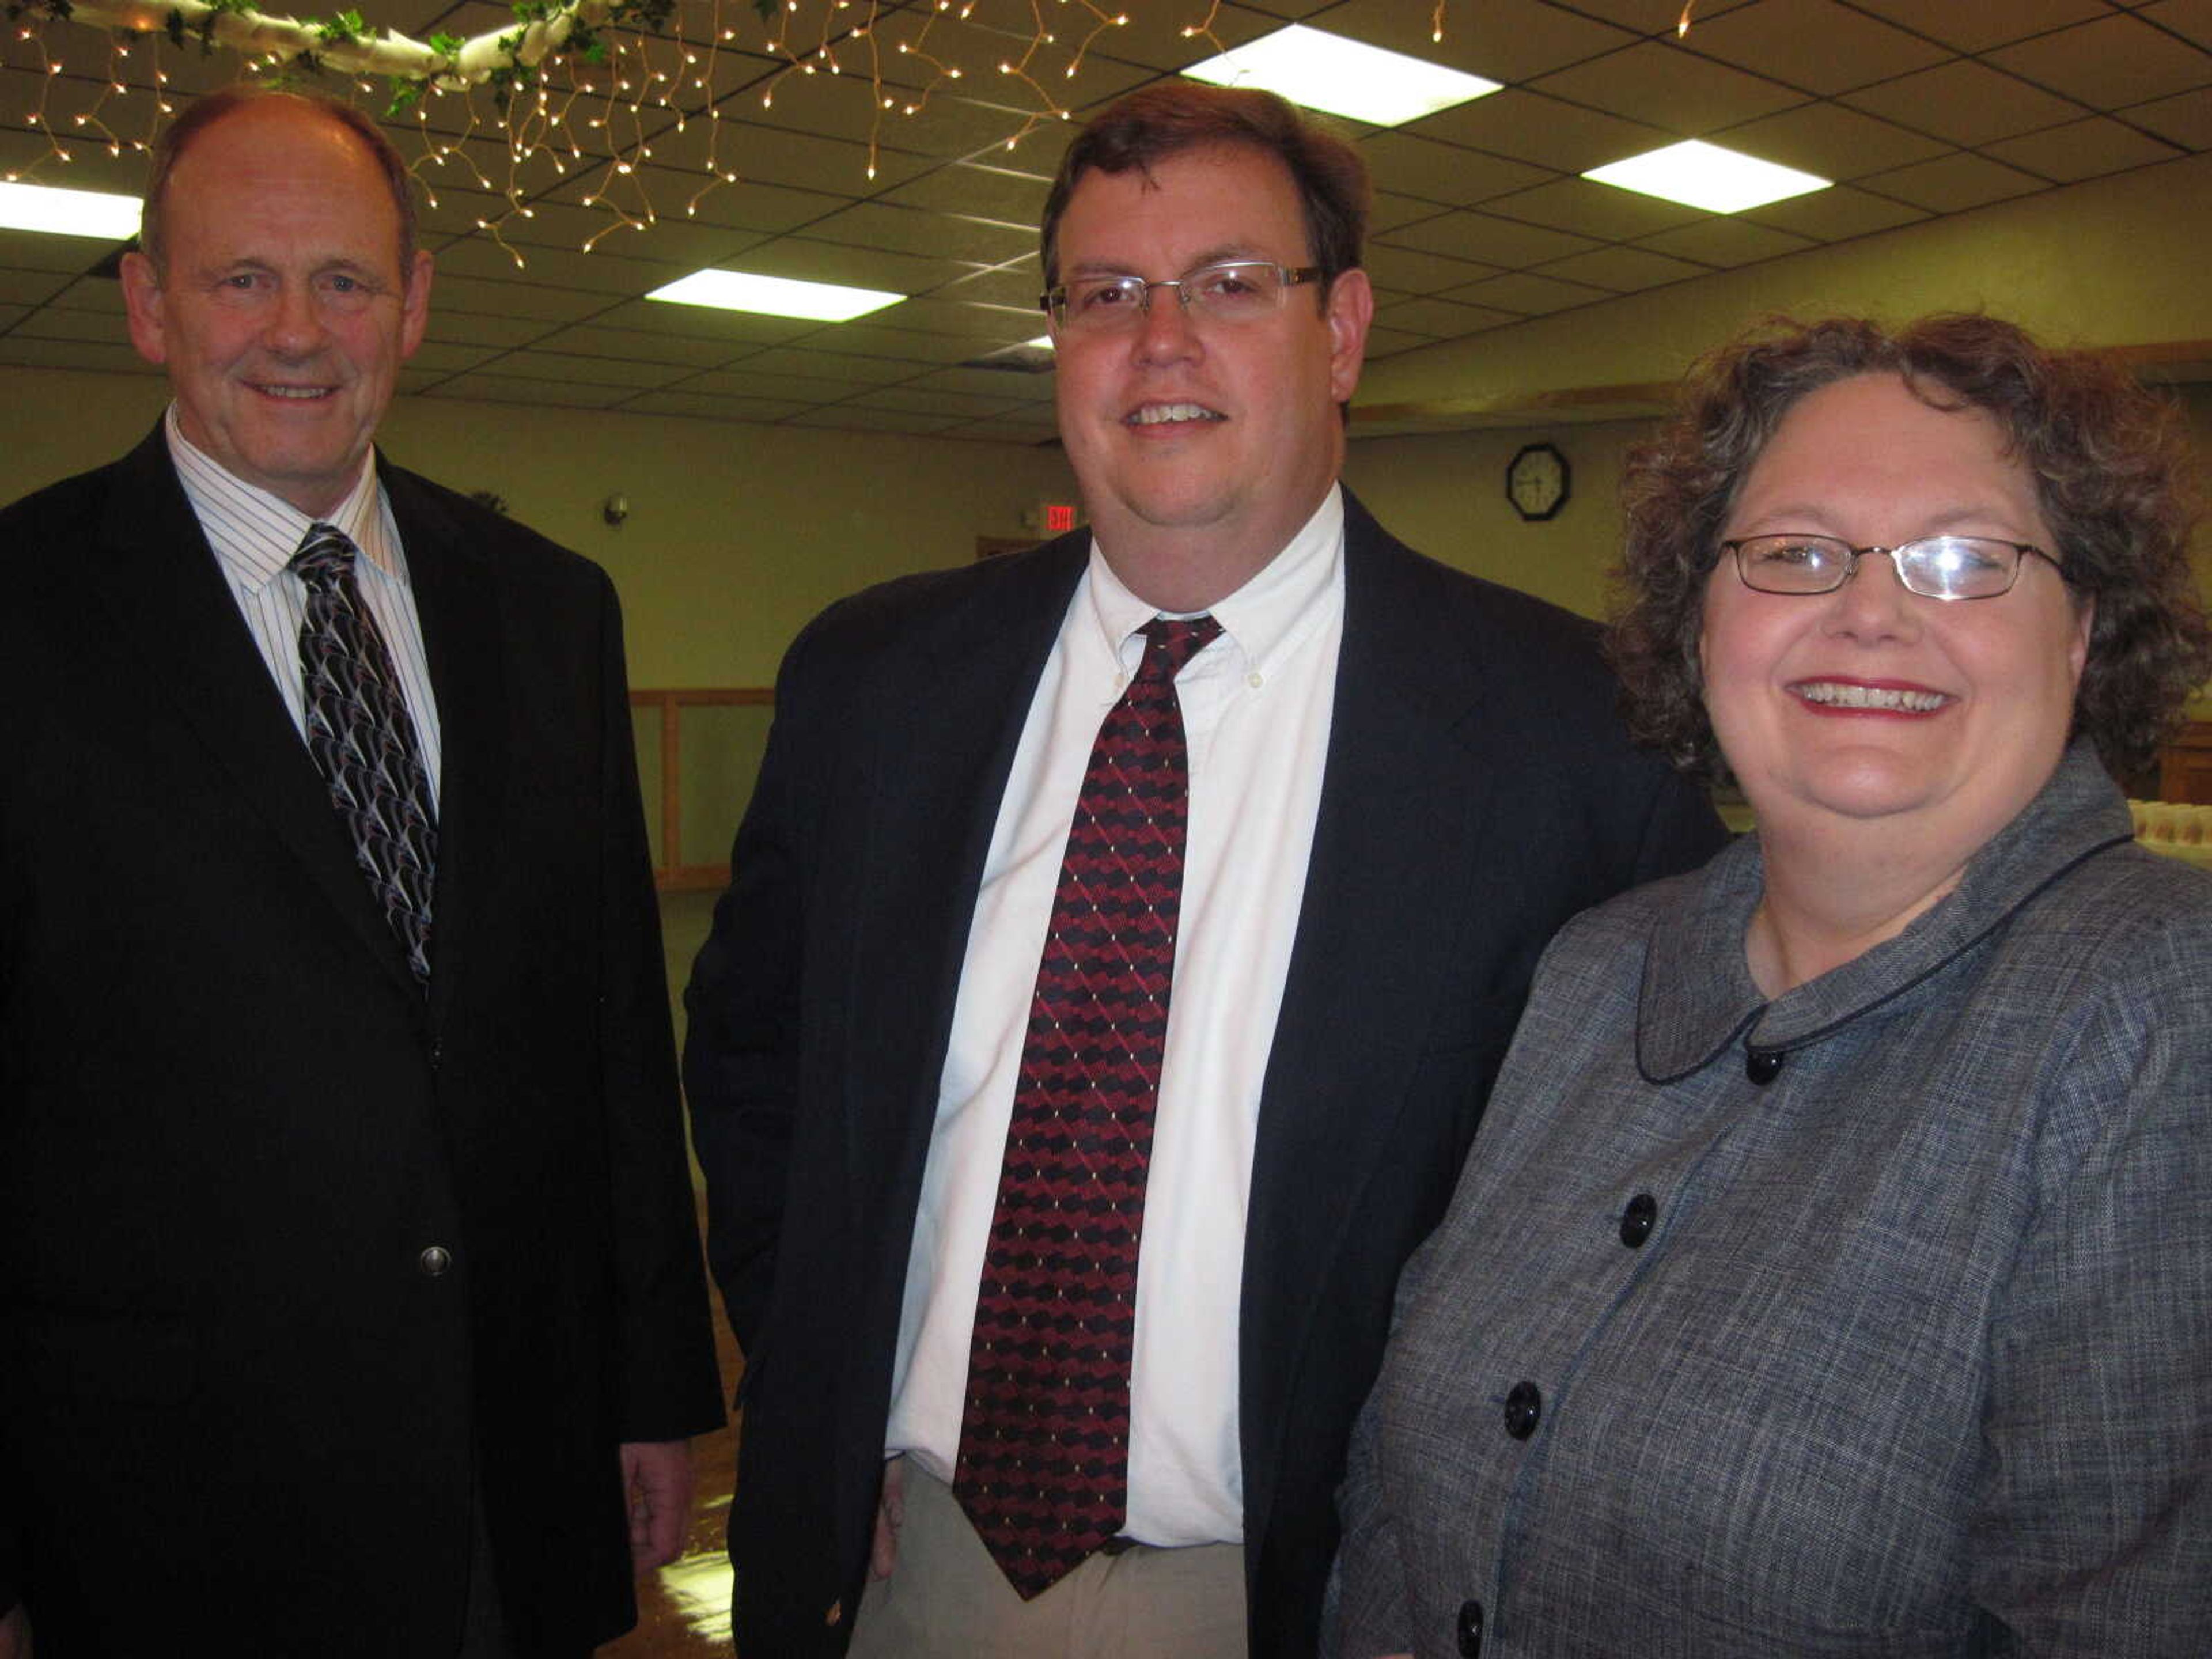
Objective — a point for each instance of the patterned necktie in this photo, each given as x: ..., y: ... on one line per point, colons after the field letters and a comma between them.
x: 1043, y: 1471
x: 363, y: 741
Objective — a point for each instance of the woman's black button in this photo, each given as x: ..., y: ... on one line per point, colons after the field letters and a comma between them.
x: 1470, y: 1629
x: 1635, y: 1220
x: 1762, y: 1066
x: 1522, y: 1407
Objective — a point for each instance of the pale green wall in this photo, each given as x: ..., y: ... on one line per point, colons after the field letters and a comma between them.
x: 736, y: 534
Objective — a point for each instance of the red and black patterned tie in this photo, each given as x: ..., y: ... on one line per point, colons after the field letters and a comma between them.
x: 1043, y: 1471
x: 363, y: 741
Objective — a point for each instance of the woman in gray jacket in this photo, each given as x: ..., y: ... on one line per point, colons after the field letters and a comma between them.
x: 1833, y: 1271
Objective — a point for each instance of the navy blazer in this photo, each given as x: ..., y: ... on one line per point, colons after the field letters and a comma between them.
x: 1478, y: 792
x: 231, y: 1126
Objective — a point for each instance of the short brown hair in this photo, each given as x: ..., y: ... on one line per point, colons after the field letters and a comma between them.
x: 2115, y: 476
x: 212, y: 107
x: 1156, y: 122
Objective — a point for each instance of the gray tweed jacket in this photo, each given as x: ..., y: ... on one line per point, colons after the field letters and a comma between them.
x: 1874, y: 1320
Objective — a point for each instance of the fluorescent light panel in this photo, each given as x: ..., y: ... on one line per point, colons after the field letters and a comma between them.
x: 1344, y: 77
x: 1702, y: 175
x: 775, y: 296
x: 69, y: 212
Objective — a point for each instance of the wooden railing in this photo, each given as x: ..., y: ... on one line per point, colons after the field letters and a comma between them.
x: 719, y: 765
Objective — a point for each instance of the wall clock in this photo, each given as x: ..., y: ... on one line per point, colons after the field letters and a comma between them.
x: 1537, y: 480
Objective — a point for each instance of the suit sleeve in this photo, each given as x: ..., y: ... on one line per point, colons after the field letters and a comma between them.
x: 741, y: 1056
x: 2095, y: 1536
x: 669, y: 1389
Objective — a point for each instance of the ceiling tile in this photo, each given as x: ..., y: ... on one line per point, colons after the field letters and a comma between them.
x: 1726, y: 240
x: 1154, y: 34
x: 873, y: 339
x: 54, y: 323
x: 1952, y: 184
x: 101, y: 294
x: 32, y: 353
x: 1623, y: 269
x: 1388, y: 211
x: 1423, y: 169
x: 1817, y: 44
x: 597, y: 274
x: 1420, y: 273
x: 11, y: 315
x: 461, y: 327
x: 1529, y: 294
x: 1836, y: 215
x: 972, y: 188
x: 764, y: 151
x: 1968, y: 103
x: 1661, y: 84
x: 540, y: 365
x: 1440, y: 319
x: 1655, y: 17
x: 513, y: 389
x: 956, y: 316
x: 631, y: 343
x: 2081, y: 149
x: 1014, y: 288
x: 1604, y: 211
x: 2114, y: 61
x: 1550, y: 132
x: 856, y: 267
x: 1011, y: 387
x: 965, y: 404
x: 2192, y: 19
x: 703, y: 322
x: 912, y: 230
x: 434, y: 356
x: 515, y: 295
x: 2187, y: 120
x: 800, y: 392
x: 1484, y: 239
x: 1005, y: 430
x: 1976, y: 25
x: 846, y: 417
x: 692, y: 406
x: 37, y: 250
x: 811, y: 362
x: 1499, y: 40
x: 1381, y: 342
x: 1831, y: 141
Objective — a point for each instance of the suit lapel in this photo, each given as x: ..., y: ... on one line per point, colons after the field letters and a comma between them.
x: 935, y: 781
x: 457, y: 601
x: 179, y: 624
x: 1393, y: 829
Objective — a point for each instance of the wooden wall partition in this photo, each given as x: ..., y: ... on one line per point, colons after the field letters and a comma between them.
x: 698, y: 752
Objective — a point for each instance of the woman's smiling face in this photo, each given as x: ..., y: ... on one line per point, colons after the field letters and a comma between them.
x: 1947, y: 717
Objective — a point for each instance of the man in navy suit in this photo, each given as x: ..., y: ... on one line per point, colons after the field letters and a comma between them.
x: 1400, y: 781
x: 349, y: 1293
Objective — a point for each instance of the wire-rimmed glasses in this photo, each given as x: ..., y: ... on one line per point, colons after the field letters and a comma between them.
x: 1230, y: 291
x: 1934, y: 566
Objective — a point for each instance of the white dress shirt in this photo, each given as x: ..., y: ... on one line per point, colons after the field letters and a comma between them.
x: 1256, y: 707
x: 254, y: 535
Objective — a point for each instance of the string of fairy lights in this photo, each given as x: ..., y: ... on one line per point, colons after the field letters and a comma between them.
x: 580, y: 87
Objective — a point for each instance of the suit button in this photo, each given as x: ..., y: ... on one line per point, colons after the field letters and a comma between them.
x: 1635, y: 1220
x: 1522, y: 1407
x: 1762, y: 1066
x: 1470, y: 1629
x: 433, y: 1261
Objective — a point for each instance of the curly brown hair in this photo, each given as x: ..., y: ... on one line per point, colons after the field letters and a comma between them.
x: 2114, y: 469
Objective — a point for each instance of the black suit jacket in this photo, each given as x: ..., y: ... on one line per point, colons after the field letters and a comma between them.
x: 234, y: 1405
x: 1478, y: 792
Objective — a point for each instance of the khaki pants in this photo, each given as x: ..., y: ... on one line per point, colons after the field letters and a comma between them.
x: 946, y: 1598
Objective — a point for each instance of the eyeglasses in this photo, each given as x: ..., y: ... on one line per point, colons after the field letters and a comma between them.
x: 1936, y: 568
x: 1234, y: 291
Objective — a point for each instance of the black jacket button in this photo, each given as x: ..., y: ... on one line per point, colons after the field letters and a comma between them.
x: 1762, y: 1066
x: 1522, y: 1407
x: 1635, y: 1220
x: 1470, y: 1629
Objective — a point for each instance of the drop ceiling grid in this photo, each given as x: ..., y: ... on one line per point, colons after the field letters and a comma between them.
x: 1917, y: 110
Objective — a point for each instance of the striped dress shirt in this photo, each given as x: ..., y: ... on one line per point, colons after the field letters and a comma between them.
x: 254, y: 535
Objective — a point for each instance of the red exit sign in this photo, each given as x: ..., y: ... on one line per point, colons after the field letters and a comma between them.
x: 1058, y: 518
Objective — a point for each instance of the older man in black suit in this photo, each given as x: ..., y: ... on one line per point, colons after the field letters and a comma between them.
x: 1339, y: 798
x: 349, y: 1297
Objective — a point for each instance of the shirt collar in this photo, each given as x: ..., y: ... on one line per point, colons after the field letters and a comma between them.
x: 1270, y: 613
x: 255, y: 532
x: 1698, y: 995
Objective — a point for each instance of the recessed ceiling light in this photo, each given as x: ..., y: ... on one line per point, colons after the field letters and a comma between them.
x: 69, y: 212
x: 775, y: 296
x: 1344, y: 77
x: 1702, y: 175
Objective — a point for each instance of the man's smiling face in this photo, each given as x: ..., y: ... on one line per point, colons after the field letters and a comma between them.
x: 1221, y: 434
x: 283, y: 311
